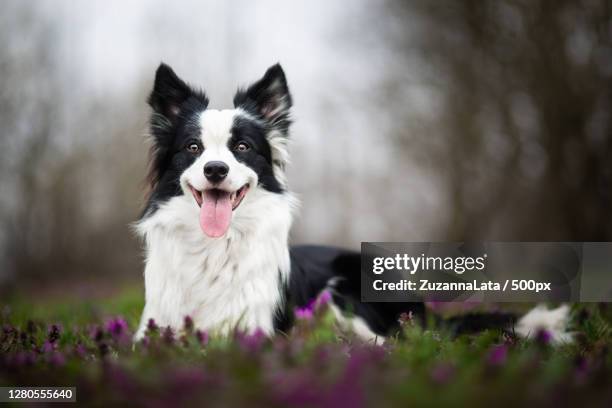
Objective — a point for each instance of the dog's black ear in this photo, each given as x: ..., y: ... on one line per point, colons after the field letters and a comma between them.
x: 268, y: 98
x: 169, y: 92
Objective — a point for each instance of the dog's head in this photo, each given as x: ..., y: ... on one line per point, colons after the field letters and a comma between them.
x: 217, y: 157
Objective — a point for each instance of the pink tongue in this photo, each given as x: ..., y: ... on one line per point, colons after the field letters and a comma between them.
x: 215, y: 213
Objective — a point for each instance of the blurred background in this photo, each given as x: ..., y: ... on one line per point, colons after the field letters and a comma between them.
x: 414, y: 121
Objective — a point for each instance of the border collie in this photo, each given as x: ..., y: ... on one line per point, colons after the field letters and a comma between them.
x: 217, y: 220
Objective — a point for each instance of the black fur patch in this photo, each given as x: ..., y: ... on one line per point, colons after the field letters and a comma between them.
x: 259, y: 155
x: 284, y: 317
x: 173, y: 125
x: 268, y: 99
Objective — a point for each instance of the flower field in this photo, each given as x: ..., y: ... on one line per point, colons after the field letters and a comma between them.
x: 88, y: 345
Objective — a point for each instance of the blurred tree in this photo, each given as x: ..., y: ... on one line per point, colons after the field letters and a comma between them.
x: 64, y: 210
x: 523, y: 136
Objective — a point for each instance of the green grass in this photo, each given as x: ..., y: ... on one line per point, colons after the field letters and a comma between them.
x: 73, y: 310
x: 317, y: 364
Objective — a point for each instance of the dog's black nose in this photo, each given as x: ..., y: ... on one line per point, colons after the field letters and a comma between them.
x: 215, y: 171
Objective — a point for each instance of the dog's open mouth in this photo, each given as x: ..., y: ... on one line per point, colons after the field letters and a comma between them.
x: 216, y: 207
x: 216, y: 194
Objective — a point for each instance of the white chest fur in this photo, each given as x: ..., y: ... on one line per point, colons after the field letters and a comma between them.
x: 222, y: 283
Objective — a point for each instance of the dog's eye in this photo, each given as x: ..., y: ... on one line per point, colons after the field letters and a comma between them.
x: 242, y: 147
x: 193, y: 148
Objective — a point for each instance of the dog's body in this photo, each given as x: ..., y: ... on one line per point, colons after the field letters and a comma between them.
x: 217, y: 221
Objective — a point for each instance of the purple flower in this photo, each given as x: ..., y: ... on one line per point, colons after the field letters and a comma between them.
x: 324, y: 298
x: 152, y: 326
x: 543, y: 337
x: 308, y: 311
x: 168, y: 335
x: 202, y: 337
x: 117, y: 327
x: 54, y: 333
x: 251, y: 342
x: 188, y: 324
x: 304, y: 313
x: 497, y: 355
